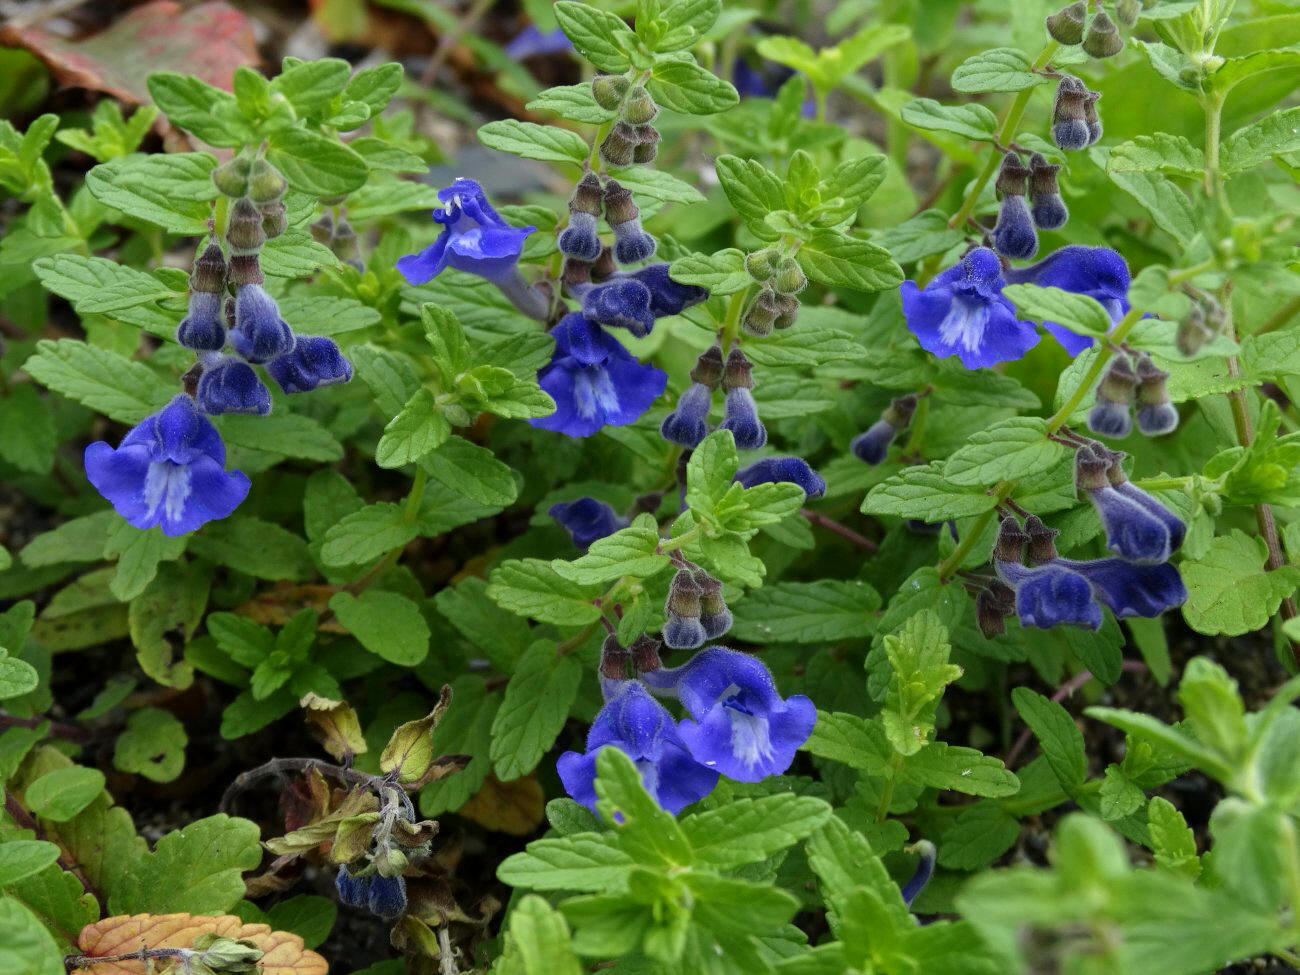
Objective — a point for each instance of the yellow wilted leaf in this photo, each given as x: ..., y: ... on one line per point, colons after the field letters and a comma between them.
x: 409, y: 751
x: 514, y: 807
x: 334, y: 724
x: 284, y: 953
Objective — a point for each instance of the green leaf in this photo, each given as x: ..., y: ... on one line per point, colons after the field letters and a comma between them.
x: 1256, y: 143
x: 655, y: 185
x: 753, y: 190
x: 573, y: 102
x: 1058, y: 736
x: 998, y: 69
x: 22, y: 858
x: 849, y: 186
x: 201, y: 108
x: 848, y: 738
x: 260, y: 548
x: 1229, y: 591
x: 537, y: 941
x: 580, y: 861
x: 750, y: 830
x: 971, y: 121
x: 194, y: 870
x: 1167, y: 204
x: 710, y: 470
x: 385, y: 623
x: 597, y: 35
x: 138, y: 554
x: 531, y: 587
x: 171, y: 191
x: 959, y: 769
x: 61, y: 793
x: 1013, y: 449
x: 804, y: 346
x: 309, y: 916
x: 722, y: 273
x: 631, y: 551
x: 1172, y: 840
x: 646, y: 832
x: 96, y: 284
x: 316, y: 164
x: 684, y: 86
x: 375, y: 86
x: 153, y: 745
x: 472, y: 471
x: 1079, y: 313
x: 1147, y: 728
x: 835, y: 259
x: 27, y: 947
x: 807, y: 612
x: 293, y: 254
x: 925, y: 492
x: 417, y: 430
x: 465, y: 729
x: 845, y: 863
x: 106, y: 382
x: 918, y: 659
x: 367, y: 534
x: 532, y: 141
x: 1158, y: 152
x: 979, y: 835
x: 25, y: 409
x: 532, y: 713
x: 311, y: 85
x: 17, y: 677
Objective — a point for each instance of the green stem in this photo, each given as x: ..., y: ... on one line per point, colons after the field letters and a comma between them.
x: 887, y: 793
x: 1165, y: 483
x: 731, y: 324
x: 917, y: 431
x: 1104, y: 353
x: 1006, y: 133
x: 410, y: 512
x: 1280, y: 317
x: 954, y: 560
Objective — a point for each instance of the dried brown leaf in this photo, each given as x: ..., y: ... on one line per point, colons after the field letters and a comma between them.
x: 284, y: 951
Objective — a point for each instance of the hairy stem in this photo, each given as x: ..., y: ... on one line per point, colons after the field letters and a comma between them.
x: 1104, y: 353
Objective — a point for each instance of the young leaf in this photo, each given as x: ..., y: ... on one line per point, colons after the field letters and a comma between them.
x: 536, y: 703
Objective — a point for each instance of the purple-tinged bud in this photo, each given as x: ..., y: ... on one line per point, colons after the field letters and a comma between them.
x: 609, y: 90
x: 1066, y: 25
x: 620, y: 205
x: 260, y: 334
x: 1014, y: 234
x: 647, y: 145
x: 1042, y: 541
x: 244, y: 269
x: 632, y: 245
x: 265, y: 184
x: 789, y: 278
x: 619, y: 146
x: 645, y: 654
x: 687, y: 425
x: 1102, y: 38
x: 738, y: 373
x: 900, y: 411
x: 787, y: 310
x: 1045, y: 204
x: 1012, y: 542
x: 201, y: 329
x: 345, y: 245
x: 1090, y: 471
x: 621, y: 303
x: 231, y: 178
x: 1109, y: 416
x: 229, y: 385
x: 707, y: 370
x: 761, y: 315
x: 244, y: 231
x: 314, y: 361
x: 715, y: 617
x: 587, y: 196
x: 614, y: 659
x: 1127, y: 11
x: 1069, y: 128
x: 275, y: 218
x: 322, y: 231
x: 1155, y: 414
x: 1091, y: 118
x: 741, y: 418
x: 209, y: 272
x: 638, y: 107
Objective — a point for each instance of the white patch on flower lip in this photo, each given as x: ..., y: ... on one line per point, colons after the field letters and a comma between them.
x: 166, y: 485
x: 649, y: 775
x: 593, y: 392
x: 964, y: 324
x: 750, y: 742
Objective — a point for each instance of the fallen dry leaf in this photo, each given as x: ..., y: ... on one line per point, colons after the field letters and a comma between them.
x: 515, y: 807
x: 284, y: 952
x: 209, y: 40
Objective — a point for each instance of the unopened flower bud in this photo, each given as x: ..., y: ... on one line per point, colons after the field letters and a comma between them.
x: 275, y: 218
x: 1127, y: 11
x: 707, y: 370
x: 1069, y: 128
x: 604, y: 266
x: 1090, y: 472
x: 1192, y: 332
x: 761, y: 264
x: 614, y: 659
x: 346, y: 246
x: 575, y: 272
x: 580, y: 238
x: 684, y: 594
x: 587, y: 196
x: 609, y: 90
x: 322, y: 231
x: 900, y: 411
x: 872, y: 445
x: 787, y: 310
x: 740, y: 416
x: 619, y: 145
x: 620, y: 206
x: 231, y: 178
x: 1066, y: 25
x: 265, y: 183
x: 244, y: 231
x: 1155, y: 414
x: 1011, y: 543
x: 1046, y: 207
x: 645, y: 653
x: 390, y: 862
x: 789, y: 278
x: 639, y: 108
x: 1109, y: 416
x: 1042, y: 541
x: 760, y: 317
x: 715, y: 617
x: 647, y: 145
x: 989, y: 615
x: 1090, y: 116
x: 1014, y: 234
x: 209, y: 272
x: 1102, y: 38
x: 245, y: 269
x: 738, y: 373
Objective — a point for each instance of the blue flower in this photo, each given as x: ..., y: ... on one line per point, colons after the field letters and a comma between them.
x: 795, y: 470
x: 1176, y: 526
x: 739, y: 724
x: 260, y: 334
x: 594, y: 381
x: 474, y: 239
x: 580, y: 239
x: 638, y: 725
x: 202, y: 329
x: 621, y: 303
x: 168, y: 471
x: 1050, y: 595
x: 1097, y: 272
x: 689, y: 423
x: 532, y: 41
x: 962, y: 312
x: 741, y: 418
x: 872, y: 445
x: 387, y: 897
x: 586, y: 520
x: 1014, y: 234
x: 230, y: 385
x: 314, y: 361
x: 668, y: 297
x: 1132, y: 590
x: 352, y: 890
x: 924, y: 871
x: 1135, y: 531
